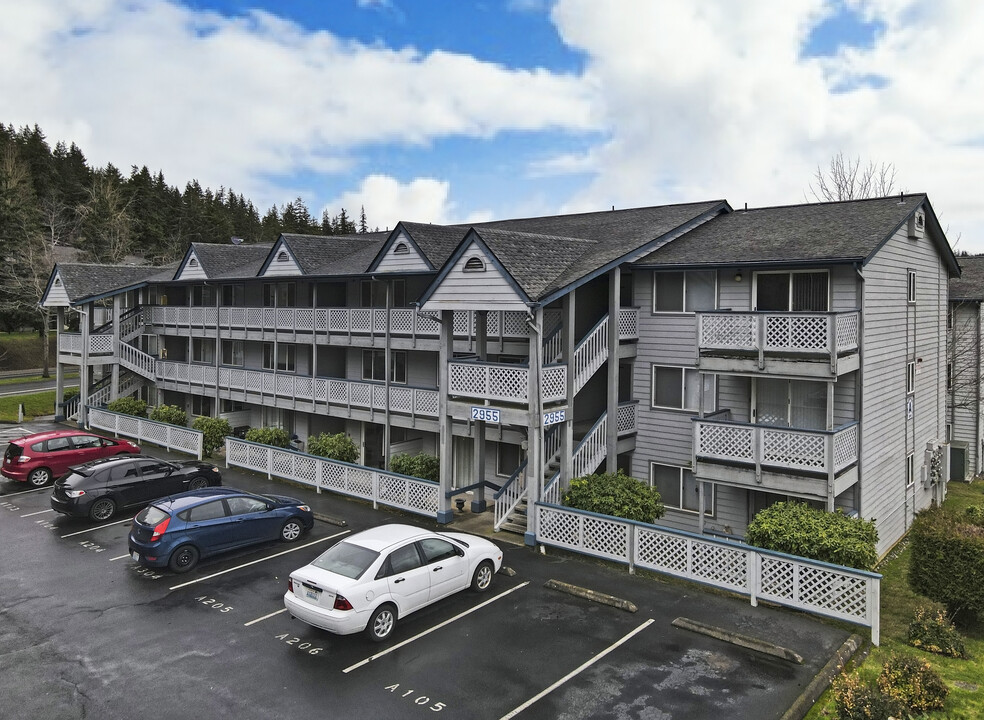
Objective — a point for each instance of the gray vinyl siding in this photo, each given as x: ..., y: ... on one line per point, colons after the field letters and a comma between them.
x: 278, y: 267
x: 467, y: 290
x: 844, y: 291
x: 734, y: 393
x: 734, y: 294
x: 896, y: 332
x: 845, y: 399
x: 409, y: 262
x: 964, y: 399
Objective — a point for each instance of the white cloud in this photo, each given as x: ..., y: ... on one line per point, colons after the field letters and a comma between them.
x: 387, y: 201
x: 716, y: 100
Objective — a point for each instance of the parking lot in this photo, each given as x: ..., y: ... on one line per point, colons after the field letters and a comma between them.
x: 86, y: 632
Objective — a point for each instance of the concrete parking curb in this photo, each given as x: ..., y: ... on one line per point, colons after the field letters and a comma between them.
x: 801, y: 706
x: 330, y: 520
x: 745, y: 641
x: 591, y: 595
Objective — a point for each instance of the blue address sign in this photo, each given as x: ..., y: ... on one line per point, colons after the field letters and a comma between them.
x: 486, y: 414
x: 554, y: 417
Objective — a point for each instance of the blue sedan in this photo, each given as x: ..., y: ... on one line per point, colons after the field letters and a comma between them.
x: 177, y: 531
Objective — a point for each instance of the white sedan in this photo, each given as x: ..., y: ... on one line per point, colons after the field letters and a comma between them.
x: 369, y: 580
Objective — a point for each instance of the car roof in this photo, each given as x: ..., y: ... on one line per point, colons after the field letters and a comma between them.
x: 381, y: 537
x: 48, y: 434
x: 182, y: 501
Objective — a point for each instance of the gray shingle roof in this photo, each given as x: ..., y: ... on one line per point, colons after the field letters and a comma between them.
x: 224, y: 260
x: 82, y: 280
x: 437, y: 242
x: 970, y: 284
x: 334, y: 254
x: 848, y: 231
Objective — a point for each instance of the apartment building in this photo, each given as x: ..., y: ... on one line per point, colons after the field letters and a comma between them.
x: 963, y: 376
x: 731, y: 358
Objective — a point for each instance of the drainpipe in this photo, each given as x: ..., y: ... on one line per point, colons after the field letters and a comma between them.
x: 534, y: 464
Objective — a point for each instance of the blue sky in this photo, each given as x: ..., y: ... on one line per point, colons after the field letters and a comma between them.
x: 456, y: 111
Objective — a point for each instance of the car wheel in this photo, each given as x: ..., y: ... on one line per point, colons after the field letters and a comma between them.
x: 183, y: 559
x: 102, y: 509
x: 39, y: 477
x: 198, y: 483
x: 482, y: 579
x: 291, y: 530
x: 381, y: 623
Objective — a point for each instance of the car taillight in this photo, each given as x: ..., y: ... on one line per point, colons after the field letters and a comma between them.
x: 24, y: 458
x: 341, y: 603
x: 160, y: 528
x: 75, y: 493
x: 290, y: 584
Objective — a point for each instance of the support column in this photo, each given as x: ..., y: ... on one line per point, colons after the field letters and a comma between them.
x: 59, y: 367
x: 445, y: 353
x: 388, y: 369
x: 114, y: 387
x: 478, y: 456
x: 611, y: 436
x: 534, y: 465
x: 569, y: 341
x: 84, y: 367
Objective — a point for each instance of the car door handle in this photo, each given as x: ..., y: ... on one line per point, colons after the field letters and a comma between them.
x: 439, y: 567
x: 398, y: 580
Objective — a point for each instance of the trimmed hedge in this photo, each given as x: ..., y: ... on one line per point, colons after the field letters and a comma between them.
x: 947, y: 560
x: 170, y: 414
x: 334, y: 447
x: 423, y: 466
x: 615, y: 494
x: 275, y: 436
x: 128, y: 406
x: 798, y: 529
x: 214, y: 431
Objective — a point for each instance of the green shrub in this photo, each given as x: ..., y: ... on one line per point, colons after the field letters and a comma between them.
x: 214, y: 430
x: 798, y: 529
x: 335, y: 447
x: 423, y: 466
x: 275, y: 436
x: 128, y: 406
x: 931, y: 630
x: 975, y: 514
x: 913, y: 683
x: 946, y: 561
x: 170, y: 414
x: 70, y: 393
x: 855, y: 699
x: 615, y: 494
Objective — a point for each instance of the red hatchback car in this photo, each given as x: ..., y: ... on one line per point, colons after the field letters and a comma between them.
x: 39, y: 458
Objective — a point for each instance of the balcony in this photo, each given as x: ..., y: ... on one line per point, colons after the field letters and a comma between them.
x: 262, y: 385
x: 70, y: 347
x: 815, y: 463
x: 802, y: 344
x: 505, y: 382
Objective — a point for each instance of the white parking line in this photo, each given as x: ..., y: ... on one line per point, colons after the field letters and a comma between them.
x: 269, y: 557
x: 368, y: 660
x: 577, y: 670
x: 265, y: 617
x: 97, y: 527
x: 39, y: 512
x: 25, y: 492
x: 119, y: 557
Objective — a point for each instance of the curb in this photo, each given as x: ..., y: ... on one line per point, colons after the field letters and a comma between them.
x: 591, y: 595
x: 801, y: 706
x: 745, y: 641
x: 330, y: 520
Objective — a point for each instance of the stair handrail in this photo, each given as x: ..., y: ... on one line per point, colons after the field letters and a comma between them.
x: 591, y: 353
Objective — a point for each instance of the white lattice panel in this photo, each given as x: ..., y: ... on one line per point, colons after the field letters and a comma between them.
x: 379, y: 321
x: 379, y: 401
x: 796, y: 333
x: 320, y: 392
x: 514, y: 324
x: 338, y: 320
x: 462, y: 323
x: 554, y: 381
x: 426, y: 402
x: 725, y: 442
x: 628, y: 323
x: 608, y: 538
x: 361, y: 320
x: 427, y: 325
x: 401, y: 322
x: 730, y: 331
x: 846, y: 447
x: 827, y: 590
x: 848, y: 325
x: 792, y: 449
x: 304, y: 319
x: 626, y: 419
x: 361, y: 394
x: 507, y: 383
x: 401, y: 400
x: 338, y: 392
x: 321, y: 320
x: 100, y: 344
x: 303, y: 388
x: 254, y: 317
x: 719, y: 565
x: 663, y: 552
x: 467, y: 379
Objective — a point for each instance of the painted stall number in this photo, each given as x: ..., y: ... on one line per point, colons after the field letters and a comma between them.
x: 213, y: 603
x: 89, y: 545
x: 146, y: 572
x: 554, y: 417
x: 299, y: 644
x: 416, y: 698
x: 46, y: 524
x: 486, y: 414
x: 10, y: 506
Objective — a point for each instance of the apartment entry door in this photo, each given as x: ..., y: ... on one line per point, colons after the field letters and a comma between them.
x: 790, y: 403
x: 372, y: 445
x: 464, y: 462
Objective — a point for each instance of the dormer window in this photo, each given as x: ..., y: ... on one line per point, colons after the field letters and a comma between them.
x: 193, y: 262
x: 282, y: 256
x: 401, y: 248
x: 474, y: 264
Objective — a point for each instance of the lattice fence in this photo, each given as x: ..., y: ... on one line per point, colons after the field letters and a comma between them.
x: 801, y: 583
x: 172, y: 437
x: 386, y: 488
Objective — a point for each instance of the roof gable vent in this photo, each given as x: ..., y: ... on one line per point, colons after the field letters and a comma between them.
x: 474, y: 264
x: 282, y: 256
x: 401, y: 248
x: 917, y: 225
x: 193, y: 262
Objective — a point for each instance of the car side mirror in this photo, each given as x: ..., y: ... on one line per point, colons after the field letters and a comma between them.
x: 458, y: 551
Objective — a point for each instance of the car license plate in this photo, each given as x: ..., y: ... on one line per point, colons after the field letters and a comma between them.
x: 135, y: 555
x: 312, y: 594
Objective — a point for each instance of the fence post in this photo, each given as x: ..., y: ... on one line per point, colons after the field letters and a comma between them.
x: 631, y: 548
x: 226, y: 450
x: 874, y: 609
x: 269, y: 464
x: 754, y: 576
x: 375, y: 490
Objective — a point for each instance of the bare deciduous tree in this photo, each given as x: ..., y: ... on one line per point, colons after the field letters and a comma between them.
x: 848, y: 179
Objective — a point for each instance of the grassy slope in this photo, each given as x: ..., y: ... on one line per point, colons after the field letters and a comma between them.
x: 965, y: 678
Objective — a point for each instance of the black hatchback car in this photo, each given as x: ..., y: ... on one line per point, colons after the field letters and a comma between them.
x: 100, y: 488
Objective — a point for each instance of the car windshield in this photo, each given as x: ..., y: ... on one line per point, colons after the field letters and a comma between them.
x: 346, y: 559
x: 151, y: 515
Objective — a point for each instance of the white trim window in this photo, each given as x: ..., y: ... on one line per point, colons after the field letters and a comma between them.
x: 684, y: 292
x: 203, y: 350
x: 791, y: 291
x: 508, y: 457
x: 201, y: 406
x: 374, y: 366
x: 279, y: 294
x: 372, y: 293
x: 233, y: 353
x: 910, y: 471
x: 678, y: 488
x: 910, y: 291
x: 910, y: 378
x: 678, y: 388
x: 279, y: 356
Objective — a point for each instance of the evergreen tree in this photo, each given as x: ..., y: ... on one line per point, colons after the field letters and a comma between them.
x: 363, y: 225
